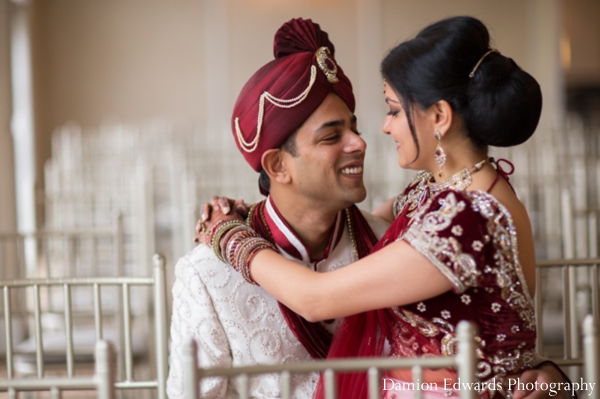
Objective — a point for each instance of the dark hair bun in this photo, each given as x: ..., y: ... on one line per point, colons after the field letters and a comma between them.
x: 499, y: 106
x: 505, y: 103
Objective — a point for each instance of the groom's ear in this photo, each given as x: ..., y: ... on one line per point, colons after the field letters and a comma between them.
x: 275, y: 164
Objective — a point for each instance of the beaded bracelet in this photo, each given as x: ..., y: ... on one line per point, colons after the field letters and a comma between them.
x: 246, y: 251
x: 246, y: 265
x: 235, y: 243
x: 221, y: 228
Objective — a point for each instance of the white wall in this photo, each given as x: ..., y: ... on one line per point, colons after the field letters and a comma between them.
x: 582, y: 31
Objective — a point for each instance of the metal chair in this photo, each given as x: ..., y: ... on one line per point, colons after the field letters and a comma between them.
x: 591, y: 343
x: 58, y: 253
x: 123, y: 285
x: 465, y: 361
x: 576, y: 300
x: 64, y: 252
x: 101, y: 381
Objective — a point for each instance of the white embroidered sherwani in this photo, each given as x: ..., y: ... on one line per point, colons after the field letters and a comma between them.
x: 239, y: 324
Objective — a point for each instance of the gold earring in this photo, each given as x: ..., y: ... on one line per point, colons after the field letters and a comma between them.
x: 440, y: 155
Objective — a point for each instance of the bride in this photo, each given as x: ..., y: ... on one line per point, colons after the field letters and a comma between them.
x: 461, y: 245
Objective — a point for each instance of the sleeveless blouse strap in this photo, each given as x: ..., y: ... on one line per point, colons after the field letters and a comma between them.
x: 501, y: 172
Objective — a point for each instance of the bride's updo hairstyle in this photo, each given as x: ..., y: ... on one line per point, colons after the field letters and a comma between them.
x: 499, y: 105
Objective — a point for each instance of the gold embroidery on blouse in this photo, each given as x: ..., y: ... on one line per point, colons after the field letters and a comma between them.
x: 423, y: 235
x: 460, y: 268
x: 414, y: 196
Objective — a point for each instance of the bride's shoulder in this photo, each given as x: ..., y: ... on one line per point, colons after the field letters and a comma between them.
x: 469, y: 207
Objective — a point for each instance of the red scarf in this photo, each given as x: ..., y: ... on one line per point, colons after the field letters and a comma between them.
x: 267, y: 221
x: 362, y: 334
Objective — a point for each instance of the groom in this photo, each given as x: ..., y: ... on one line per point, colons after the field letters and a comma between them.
x: 294, y: 123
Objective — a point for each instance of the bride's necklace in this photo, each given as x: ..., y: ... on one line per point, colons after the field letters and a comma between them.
x: 458, y: 181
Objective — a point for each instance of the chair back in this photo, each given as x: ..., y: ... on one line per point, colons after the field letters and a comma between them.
x: 102, y: 381
x: 464, y: 361
x: 120, y: 286
x: 591, y: 343
x: 566, y: 291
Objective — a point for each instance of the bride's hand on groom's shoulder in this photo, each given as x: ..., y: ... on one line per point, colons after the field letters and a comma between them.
x: 219, y: 209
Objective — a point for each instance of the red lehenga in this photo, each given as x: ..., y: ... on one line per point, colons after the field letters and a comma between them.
x: 470, y: 237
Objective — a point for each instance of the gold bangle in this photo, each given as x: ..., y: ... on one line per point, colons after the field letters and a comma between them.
x: 222, y: 229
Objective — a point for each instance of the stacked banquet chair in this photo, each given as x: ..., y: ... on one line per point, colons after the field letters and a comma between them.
x: 154, y: 173
x: 78, y: 281
x: 567, y: 289
x: 93, y: 175
x: 569, y: 345
x: 591, y: 345
x: 102, y: 380
x: 464, y: 362
x: 55, y: 253
x: 559, y: 279
x: 67, y: 316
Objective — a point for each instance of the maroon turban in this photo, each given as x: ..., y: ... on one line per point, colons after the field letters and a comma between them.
x: 281, y: 95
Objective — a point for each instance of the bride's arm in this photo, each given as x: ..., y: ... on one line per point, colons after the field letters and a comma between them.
x: 396, y: 275
x: 385, y: 211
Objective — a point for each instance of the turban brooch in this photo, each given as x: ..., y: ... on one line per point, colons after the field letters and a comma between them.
x: 282, y: 94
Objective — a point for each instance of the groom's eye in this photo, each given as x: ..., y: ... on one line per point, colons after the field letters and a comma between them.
x: 331, y: 137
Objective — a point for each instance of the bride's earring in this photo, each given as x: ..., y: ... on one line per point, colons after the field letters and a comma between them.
x: 440, y: 155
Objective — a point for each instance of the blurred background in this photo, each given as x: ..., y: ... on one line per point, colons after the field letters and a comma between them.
x: 111, y: 82
x: 117, y: 112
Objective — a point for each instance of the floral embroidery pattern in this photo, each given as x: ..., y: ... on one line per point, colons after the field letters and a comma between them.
x: 440, y: 231
x: 509, y: 275
x: 496, y: 366
x: 413, y: 195
x: 444, y: 252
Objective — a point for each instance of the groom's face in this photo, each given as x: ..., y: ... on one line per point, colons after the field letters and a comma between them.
x: 328, y: 165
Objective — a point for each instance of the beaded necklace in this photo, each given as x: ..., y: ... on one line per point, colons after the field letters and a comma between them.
x: 351, y: 233
x: 458, y: 181
x: 261, y: 212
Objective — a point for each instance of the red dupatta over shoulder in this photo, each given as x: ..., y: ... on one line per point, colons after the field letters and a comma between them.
x: 361, y: 335
x: 267, y: 221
